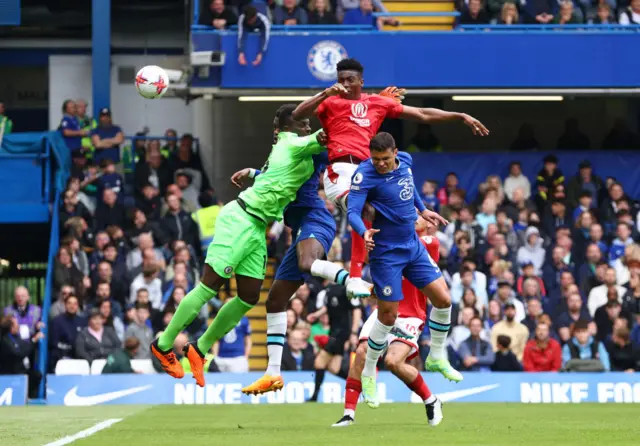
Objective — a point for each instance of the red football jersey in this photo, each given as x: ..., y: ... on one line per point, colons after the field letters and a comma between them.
x: 351, y: 124
x: 414, y: 303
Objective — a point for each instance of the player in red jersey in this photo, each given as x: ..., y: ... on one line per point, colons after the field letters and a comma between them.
x: 351, y: 118
x: 402, y: 341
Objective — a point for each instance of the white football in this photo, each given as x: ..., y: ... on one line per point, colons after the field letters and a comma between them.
x: 152, y: 82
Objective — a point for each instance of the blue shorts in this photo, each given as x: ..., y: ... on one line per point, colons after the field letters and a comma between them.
x: 390, y: 263
x: 305, y: 223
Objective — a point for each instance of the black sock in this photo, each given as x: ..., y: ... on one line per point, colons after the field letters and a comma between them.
x: 342, y: 373
x: 319, y: 379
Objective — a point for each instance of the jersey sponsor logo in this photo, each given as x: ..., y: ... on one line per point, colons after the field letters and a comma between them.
x: 228, y: 270
x: 407, y: 189
x: 387, y: 291
x: 357, y: 179
x: 323, y: 58
x: 359, y: 114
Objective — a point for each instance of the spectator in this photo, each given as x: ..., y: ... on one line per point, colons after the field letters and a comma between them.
x: 568, y: 16
x: 532, y: 251
x: 149, y: 202
x: 428, y: 195
x: 540, y: 12
x: 103, y: 293
x: 63, y: 331
x: 474, y: 14
x: 460, y: 332
x: 478, y: 283
x: 320, y: 13
x: 516, y: 180
x: 148, y: 279
x: 6, y: 124
x: 105, y: 307
x: 187, y: 160
x: 476, y: 353
x: 96, y: 341
x: 624, y: 356
x: 178, y: 225
x: 220, y: 17
x: 534, y: 311
x: 185, y: 205
x: 106, y: 138
x: 631, y: 299
x: 618, y: 245
x: 109, y: 179
x: 575, y: 312
x: 118, y: 287
x: 233, y: 350
x: 66, y: 273
x: 631, y: 16
x: 526, y: 139
x: 505, y: 296
x: 509, y: 14
x: 290, y: 14
x: 27, y: 314
x: 251, y: 21
x: 141, y: 330
x: 584, y: 180
x: 297, y: 353
x: 119, y: 361
x: 584, y: 204
x: 607, y: 314
x: 542, y: 354
x: 487, y: 216
x: 596, y: 235
x: 583, y: 347
x: 190, y: 192
x: 79, y: 257
x: 135, y: 256
x: 110, y: 212
x: 603, y: 15
x: 71, y: 130
x: 528, y: 274
x: 72, y: 207
x: 506, y: 360
x: 598, y: 295
x: 510, y: 327
x: 587, y: 271
x: 58, y: 307
x: 154, y: 170
x: 15, y: 353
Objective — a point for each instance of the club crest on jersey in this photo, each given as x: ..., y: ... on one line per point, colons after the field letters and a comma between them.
x: 407, y: 188
x: 359, y: 114
x: 357, y: 179
x: 387, y: 291
x: 323, y: 58
x: 228, y: 270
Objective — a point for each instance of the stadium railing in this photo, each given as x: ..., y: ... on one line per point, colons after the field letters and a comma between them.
x: 551, y: 27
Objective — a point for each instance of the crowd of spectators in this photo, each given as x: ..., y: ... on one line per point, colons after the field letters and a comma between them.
x: 548, y: 12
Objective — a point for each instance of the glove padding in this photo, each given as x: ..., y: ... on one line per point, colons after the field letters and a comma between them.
x: 395, y: 93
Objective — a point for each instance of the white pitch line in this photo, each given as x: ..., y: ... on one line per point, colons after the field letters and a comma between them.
x: 85, y: 433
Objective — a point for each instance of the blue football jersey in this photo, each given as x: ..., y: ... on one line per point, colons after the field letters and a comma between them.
x: 392, y: 195
x: 307, y: 195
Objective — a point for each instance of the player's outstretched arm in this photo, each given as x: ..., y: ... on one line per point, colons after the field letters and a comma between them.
x: 307, y: 108
x: 435, y: 116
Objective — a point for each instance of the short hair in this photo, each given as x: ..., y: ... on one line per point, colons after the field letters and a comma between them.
x: 131, y: 343
x: 350, y: 65
x: 504, y: 341
x: 94, y: 313
x: 580, y: 324
x: 71, y: 296
x: 249, y: 12
x: 142, y: 290
x: 142, y: 306
x: 284, y: 115
x: 465, y: 270
x: 474, y: 318
x: 381, y: 142
x: 585, y: 194
x: 514, y: 163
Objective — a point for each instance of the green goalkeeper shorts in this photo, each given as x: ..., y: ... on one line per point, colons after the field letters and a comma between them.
x: 239, y: 245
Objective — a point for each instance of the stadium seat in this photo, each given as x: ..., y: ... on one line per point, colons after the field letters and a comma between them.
x: 97, y: 366
x: 143, y: 365
x: 72, y: 367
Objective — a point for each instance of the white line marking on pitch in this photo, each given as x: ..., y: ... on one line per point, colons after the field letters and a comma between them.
x: 85, y: 433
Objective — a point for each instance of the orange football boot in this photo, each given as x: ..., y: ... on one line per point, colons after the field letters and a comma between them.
x: 197, y: 361
x: 265, y: 384
x: 168, y: 361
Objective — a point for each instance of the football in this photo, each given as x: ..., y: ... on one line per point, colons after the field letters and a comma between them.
x: 152, y: 82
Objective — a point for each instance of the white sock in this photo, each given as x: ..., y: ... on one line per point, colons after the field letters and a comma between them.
x: 439, y: 324
x: 430, y: 400
x: 276, y: 332
x: 330, y: 271
x: 376, y: 345
x: 351, y: 413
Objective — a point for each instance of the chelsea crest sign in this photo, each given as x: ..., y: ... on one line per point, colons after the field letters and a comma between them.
x: 323, y: 57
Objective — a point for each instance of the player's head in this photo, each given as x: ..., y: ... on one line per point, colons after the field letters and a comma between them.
x: 286, y: 123
x: 350, y: 76
x: 383, y: 152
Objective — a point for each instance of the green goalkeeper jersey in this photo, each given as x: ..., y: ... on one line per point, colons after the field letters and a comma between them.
x: 290, y: 164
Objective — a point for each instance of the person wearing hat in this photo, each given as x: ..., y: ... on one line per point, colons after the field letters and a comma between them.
x: 550, y: 175
x: 106, y: 138
x: 584, y: 180
x: 510, y: 326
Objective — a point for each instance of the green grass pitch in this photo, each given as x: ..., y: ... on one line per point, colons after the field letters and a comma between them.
x: 310, y: 424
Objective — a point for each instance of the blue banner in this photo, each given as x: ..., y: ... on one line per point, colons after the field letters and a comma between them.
x: 225, y: 388
x: 430, y: 59
x: 13, y: 390
x: 624, y: 166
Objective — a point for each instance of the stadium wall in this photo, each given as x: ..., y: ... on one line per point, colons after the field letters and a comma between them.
x: 225, y: 388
